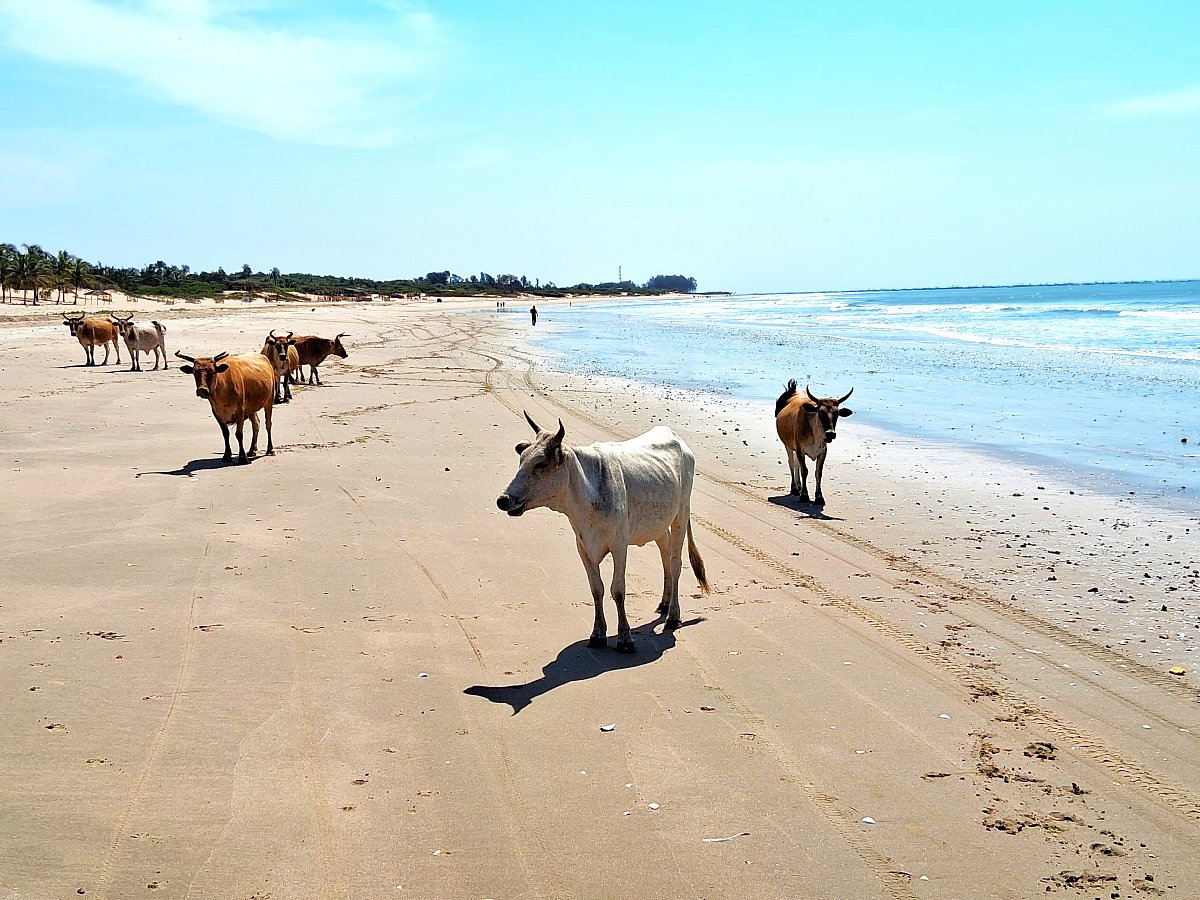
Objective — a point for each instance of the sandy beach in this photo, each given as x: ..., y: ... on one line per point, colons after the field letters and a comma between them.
x: 341, y: 672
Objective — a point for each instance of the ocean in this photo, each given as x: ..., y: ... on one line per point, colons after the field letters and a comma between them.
x: 1099, y: 382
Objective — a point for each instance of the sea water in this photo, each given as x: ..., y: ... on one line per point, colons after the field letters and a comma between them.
x: 1098, y: 381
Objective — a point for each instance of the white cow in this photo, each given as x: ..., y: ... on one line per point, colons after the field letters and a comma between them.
x: 140, y: 339
x: 615, y: 494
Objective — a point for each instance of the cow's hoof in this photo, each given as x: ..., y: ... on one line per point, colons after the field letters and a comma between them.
x: 228, y: 457
x: 820, y: 501
x: 597, y: 642
x: 270, y: 452
x: 672, y: 624
x: 626, y: 647
x: 663, y: 608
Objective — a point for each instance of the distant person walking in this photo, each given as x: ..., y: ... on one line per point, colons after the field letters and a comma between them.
x: 533, y: 314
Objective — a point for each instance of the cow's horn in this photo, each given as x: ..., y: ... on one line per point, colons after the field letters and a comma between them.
x: 847, y: 397
x: 290, y: 333
x: 810, y: 394
x: 342, y: 335
x: 272, y: 334
x: 220, y: 356
x: 190, y: 359
x: 560, y: 434
x: 532, y: 424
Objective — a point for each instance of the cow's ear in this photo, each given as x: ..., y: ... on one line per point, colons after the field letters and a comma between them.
x: 522, y: 447
x: 186, y: 369
x: 222, y: 367
x: 845, y: 412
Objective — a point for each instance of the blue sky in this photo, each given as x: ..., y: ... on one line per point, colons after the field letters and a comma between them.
x: 754, y: 146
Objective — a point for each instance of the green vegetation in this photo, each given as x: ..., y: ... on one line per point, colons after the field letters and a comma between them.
x: 32, y: 274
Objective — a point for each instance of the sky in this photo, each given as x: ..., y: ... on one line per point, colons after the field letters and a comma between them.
x: 755, y: 146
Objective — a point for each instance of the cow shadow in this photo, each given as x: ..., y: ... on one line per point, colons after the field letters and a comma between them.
x: 579, y: 662
x: 190, y: 469
x: 806, y: 508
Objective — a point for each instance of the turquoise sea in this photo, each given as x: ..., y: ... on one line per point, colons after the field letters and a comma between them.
x: 1100, y: 382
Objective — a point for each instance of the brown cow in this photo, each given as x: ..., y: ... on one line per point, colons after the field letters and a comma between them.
x: 806, y: 425
x: 92, y: 331
x: 285, y: 360
x: 236, y: 388
x: 314, y: 350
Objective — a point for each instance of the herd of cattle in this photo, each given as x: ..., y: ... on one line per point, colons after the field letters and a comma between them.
x: 236, y: 387
x: 616, y: 494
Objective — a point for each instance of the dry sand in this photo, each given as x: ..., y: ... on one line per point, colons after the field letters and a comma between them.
x: 341, y: 672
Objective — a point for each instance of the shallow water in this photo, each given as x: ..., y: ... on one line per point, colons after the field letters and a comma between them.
x: 1100, y: 380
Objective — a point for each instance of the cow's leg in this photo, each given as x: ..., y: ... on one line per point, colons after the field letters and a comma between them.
x: 89, y: 355
x: 240, y: 428
x: 228, y: 457
x: 267, y: 420
x: 794, y: 471
x: 625, y: 642
x: 254, y: 437
x: 316, y: 375
x: 116, y: 347
x: 287, y: 386
x: 670, y: 548
x: 599, y: 636
x: 105, y: 363
x: 803, y: 476
x: 819, y: 468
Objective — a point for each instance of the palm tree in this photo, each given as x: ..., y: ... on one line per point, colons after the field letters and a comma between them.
x: 62, y: 273
x: 31, y: 267
x: 8, y: 259
x: 80, y: 271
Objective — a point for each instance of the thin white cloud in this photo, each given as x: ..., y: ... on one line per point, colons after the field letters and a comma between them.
x: 337, y: 82
x: 1185, y: 102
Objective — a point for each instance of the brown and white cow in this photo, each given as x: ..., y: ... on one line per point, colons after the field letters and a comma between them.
x: 315, y: 350
x: 285, y: 360
x: 807, y: 425
x: 90, y: 331
x: 615, y: 494
x: 236, y: 387
x: 140, y: 339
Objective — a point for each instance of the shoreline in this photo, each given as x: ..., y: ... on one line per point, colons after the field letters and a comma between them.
x: 340, y: 670
x: 1056, y: 538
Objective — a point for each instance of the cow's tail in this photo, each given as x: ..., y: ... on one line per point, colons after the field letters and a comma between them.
x: 696, y: 562
x: 785, y: 396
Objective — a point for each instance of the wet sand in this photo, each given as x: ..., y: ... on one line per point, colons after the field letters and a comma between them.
x: 340, y: 671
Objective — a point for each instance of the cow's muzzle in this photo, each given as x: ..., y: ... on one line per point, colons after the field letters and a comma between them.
x: 509, y: 505
x: 202, y: 393
x: 829, y: 436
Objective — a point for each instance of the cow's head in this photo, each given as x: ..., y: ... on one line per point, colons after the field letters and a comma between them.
x: 72, y: 322
x: 827, y: 410
x: 541, y: 475
x: 338, y: 349
x: 275, y: 348
x: 123, y: 325
x: 205, y: 369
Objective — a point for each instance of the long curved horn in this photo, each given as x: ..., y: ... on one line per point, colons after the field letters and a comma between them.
x: 272, y: 335
x: 560, y: 434
x: 810, y: 395
x: 342, y: 335
x: 220, y: 356
x: 290, y: 333
x: 532, y: 424
x: 847, y: 397
x: 190, y: 359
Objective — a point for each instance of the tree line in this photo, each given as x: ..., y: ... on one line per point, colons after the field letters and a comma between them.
x: 36, y: 274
